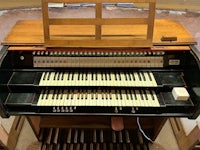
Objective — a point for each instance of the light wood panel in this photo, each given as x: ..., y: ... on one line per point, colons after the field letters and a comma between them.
x: 98, y: 22
x: 23, y: 34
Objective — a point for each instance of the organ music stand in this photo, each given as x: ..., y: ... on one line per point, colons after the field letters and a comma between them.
x: 98, y: 38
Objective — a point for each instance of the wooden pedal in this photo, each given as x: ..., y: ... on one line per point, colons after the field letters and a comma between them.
x: 117, y: 123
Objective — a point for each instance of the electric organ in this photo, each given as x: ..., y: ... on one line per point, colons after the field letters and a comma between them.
x: 82, y: 81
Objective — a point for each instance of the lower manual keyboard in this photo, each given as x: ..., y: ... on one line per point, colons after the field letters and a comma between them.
x: 116, y: 98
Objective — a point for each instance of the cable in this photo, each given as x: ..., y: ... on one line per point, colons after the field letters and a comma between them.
x: 140, y: 128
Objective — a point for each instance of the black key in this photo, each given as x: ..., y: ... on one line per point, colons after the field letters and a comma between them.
x: 119, y: 76
x: 125, y: 74
x: 54, y: 77
x: 144, y: 76
x: 49, y: 74
x: 78, y: 75
x: 131, y: 94
x: 45, y: 75
x: 140, y: 78
x: 149, y: 76
x: 62, y: 76
x: 68, y: 78
x: 133, y: 76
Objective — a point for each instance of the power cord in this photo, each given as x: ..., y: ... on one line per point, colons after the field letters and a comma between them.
x: 140, y: 128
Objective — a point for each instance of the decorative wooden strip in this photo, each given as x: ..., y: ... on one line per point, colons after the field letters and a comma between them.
x: 98, y: 43
x: 45, y: 20
x: 152, y: 7
x: 98, y: 17
x: 103, y: 21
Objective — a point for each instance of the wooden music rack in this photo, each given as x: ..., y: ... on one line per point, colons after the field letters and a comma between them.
x: 99, y: 38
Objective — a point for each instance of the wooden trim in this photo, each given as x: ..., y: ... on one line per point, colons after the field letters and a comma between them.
x: 15, y: 132
x: 185, y: 142
x: 9, y: 140
x: 98, y: 43
x: 152, y: 7
x: 3, y: 137
x: 45, y: 20
x: 97, y: 23
x: 34, y: 122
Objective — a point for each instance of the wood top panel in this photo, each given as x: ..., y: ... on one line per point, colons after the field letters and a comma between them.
x: 30, y: 32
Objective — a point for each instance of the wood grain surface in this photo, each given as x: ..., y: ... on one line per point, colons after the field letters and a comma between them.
x: 23, y: 34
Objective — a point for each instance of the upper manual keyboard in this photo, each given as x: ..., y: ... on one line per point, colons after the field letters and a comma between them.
x: 126, y: 78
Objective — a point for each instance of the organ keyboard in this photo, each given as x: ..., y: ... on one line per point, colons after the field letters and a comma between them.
x: 97, y: 78
x: 126, y: 98
x: 103, y: 90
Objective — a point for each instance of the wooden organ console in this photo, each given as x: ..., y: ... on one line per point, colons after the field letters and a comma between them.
x: 73, y: 86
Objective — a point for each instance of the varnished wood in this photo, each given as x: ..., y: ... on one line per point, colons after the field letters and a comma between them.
x: 98, y: 22
x: 150, y: 124
x: 23, y: 35
x: 3, y: 137
x: 9, y: 140
x: 35, y: 124
x: 185, y: 142
x: 15, y: 131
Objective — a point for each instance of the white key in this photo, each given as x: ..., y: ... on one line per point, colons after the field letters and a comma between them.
x: 89, y: 101
x: 61, y: 98
x: 43, y: 79
x: 67, y: 100
x: 144, y: 100
x: 76, y: 82
x: 72, y: 80
x: 41, y: 98
x: 118, y: 98
x: 89, y: 79
x: 109, y: 93
x: 60, y: 79
x: 123, y: 79
x: 75, y: 101
x: 150, y: 102
x: 99, y: 82
x: 54, y: 99
x: 141, y: 79
x: 153, y: 79
x: 113, y: 81
x: 50, y: 82
x: 138, y: 100
x: 68, y: 75
x: 123, y: 95
x: 129, y: 102
x: 147, y: 82
x: 156, y: 102
x: 101, y: 98
x: 114, y: 100
x: 137, y: 81
x: 46, y: 101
